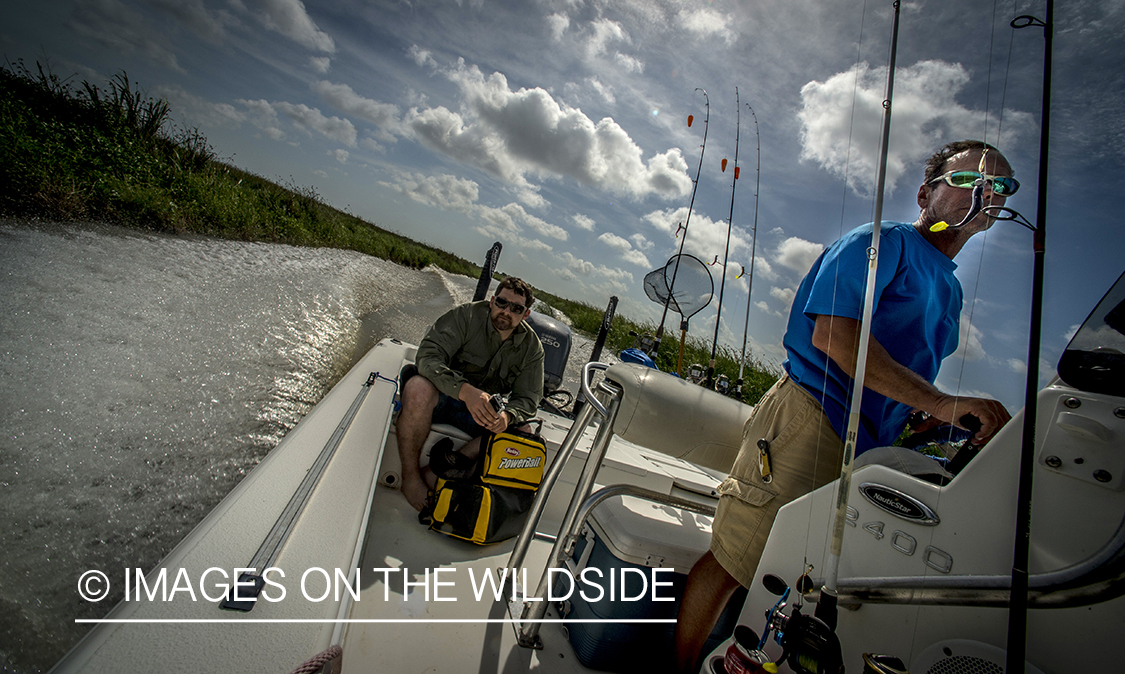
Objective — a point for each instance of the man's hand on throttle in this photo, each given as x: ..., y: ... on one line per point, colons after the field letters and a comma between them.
x: 991, y: 413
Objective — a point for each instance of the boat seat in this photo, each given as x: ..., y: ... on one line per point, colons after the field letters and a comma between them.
x: 451, y: 431
x: 664, y: 413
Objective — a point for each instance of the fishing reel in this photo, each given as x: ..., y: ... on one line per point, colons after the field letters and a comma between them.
x: 808, y: 644
x: 696, y: 373
x: 645, y: 343
x: 722, y: 384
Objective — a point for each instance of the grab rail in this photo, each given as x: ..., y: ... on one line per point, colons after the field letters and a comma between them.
x: 532, y: 614
x: 523, y: 542
x: 1098, y: 578
x: 587, y: 377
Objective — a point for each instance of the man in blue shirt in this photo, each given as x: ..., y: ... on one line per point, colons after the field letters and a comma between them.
x: 915, y: 324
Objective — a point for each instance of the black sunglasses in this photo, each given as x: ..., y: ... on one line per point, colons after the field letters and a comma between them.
x: 502, y: 303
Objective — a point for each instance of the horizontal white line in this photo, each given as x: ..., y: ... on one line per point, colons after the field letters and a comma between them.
x: 172, y: 621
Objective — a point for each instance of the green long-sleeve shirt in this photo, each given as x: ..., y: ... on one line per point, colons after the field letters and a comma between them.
x: 463, y: 347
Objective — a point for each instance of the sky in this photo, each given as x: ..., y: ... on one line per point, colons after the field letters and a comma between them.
x: 560, y: 128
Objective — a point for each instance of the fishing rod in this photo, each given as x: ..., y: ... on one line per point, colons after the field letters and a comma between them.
x: 753, y: 245
x: 687, y: 221
x: 1017, y: 613
x: 486, y: 272
x: 826, y: 606
x: 709, y: 382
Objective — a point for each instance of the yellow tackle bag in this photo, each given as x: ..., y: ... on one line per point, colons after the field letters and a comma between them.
x: 491, y: 504
x: 514, y: 459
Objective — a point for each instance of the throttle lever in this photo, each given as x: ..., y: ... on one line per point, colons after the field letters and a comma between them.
x: 968, y: 450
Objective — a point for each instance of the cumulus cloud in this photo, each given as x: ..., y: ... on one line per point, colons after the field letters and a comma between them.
x: 498, y: 223
x: 605, y: 91
x: 372, y: 144
x: 529, y: 195
x: 123, y: 30
x: 615, y: 242
x: 926, y: 114
x: 444, y: 191
x: 341, y: 155
x: 578, y: 265
x: 629, y: 64
x: 266, y: 116
x: 263, y: 116
x: 641, y: 242
x: 601, y: 34
x: 762, y: 269
x: 628, y: 253
x: 291, y: 19
x: 557, y: 25
x: 320, y: 64
x: 706, y: 238
x: 460, y: 195
x: 514, y: 133
x: 583, y: 222
x: 797, y: 254
x: 197, y: 111
x: 970, y: 347
x: 423, y: 58
x: 584, y: 268
x: 534, y: 245
x: 707, y: 23
x: 518, y: 214
x: 783, y: 295
x: 344, y: 99
x: 312, y: 119
x: 565, y: 275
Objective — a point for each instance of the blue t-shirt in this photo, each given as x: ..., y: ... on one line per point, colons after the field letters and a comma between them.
x: 916, y: 319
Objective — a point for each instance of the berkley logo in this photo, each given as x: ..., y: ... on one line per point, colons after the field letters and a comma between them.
x: 514, y: 464
x: 511, y: 451
x: 898, y: 504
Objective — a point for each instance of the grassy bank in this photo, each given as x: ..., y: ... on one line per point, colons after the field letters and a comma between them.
x: 85, y: 153
x: 73, y: 152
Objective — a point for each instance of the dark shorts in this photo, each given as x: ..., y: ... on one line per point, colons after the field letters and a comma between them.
x: 454, y: 412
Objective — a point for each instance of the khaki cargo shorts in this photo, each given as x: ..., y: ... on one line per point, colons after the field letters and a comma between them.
x: 806, y: 454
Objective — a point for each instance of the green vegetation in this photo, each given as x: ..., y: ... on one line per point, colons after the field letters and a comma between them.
x: 86, y: 153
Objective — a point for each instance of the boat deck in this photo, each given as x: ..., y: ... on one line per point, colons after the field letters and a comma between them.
x: 354, y: 518
x: 420, y: 634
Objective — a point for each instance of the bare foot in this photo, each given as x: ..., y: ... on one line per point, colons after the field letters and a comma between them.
x: 429, y: 477
x: 415, y: 491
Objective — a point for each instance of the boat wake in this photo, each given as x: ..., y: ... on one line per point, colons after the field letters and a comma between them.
x: 144, y: 377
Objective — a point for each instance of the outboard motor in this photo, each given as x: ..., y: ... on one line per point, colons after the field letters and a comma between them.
x: 555, y: 336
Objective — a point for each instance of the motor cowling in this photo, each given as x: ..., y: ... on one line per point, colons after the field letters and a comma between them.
x: 555, y: 337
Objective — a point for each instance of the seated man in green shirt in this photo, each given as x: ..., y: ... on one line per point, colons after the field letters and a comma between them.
x: 473, y: 351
